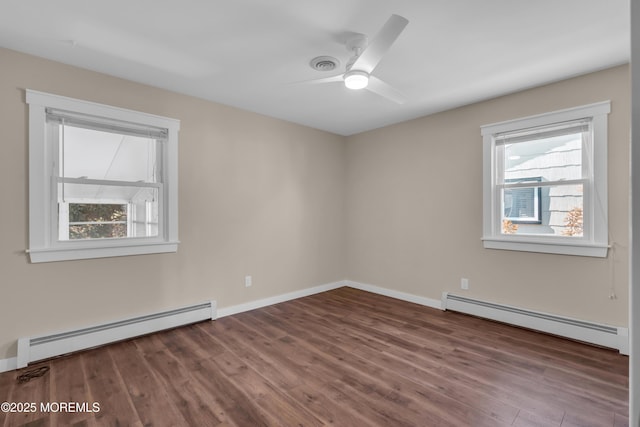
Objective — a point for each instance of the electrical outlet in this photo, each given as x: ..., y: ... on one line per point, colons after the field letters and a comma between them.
x: 464, y: 283
x: 248, y: 281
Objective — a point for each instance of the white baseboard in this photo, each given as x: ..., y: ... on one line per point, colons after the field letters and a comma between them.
x: 36, y: 348
x: 615, y: 337
x: 10, y: 364
x: 433, y: 303
x: 569, y: 328
x: 13, y: 363
x: 252, y: 305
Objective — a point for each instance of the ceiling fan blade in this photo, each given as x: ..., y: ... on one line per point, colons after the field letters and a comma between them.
x: 380, y: 44
x: 385, y: 90
x: 336, y: 78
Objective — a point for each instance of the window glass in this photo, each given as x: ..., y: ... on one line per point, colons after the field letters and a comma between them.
x: 97, y: 220
x: 552, y: 159
x: 95, y: 154
x: 108, y: 182
x: 559, y: 208
x: 541, y: 174
x: 522, y: 204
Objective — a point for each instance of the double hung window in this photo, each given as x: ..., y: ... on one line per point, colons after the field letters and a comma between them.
x: 103, y: 180
x: 545, y: 182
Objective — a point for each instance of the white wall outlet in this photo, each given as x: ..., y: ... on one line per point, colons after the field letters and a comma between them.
x: 464, y: 283
x: 248, y: 281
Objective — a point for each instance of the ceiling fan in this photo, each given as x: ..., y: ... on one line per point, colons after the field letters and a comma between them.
x: 366, y: 57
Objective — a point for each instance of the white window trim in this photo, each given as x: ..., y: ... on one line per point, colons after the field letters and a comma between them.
x: 42, y: 247
x: 595, y: 245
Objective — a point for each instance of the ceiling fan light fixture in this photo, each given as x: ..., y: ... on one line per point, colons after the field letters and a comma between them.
x: 356, y: 79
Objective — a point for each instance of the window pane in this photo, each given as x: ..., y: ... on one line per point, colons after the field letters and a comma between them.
x: 97, y: 220
x: 97, y: 231
x: 88, y: 211
x: 551, y: 159
x: 93, y: 154
x: 560, y: 210
x: 84, y: 212
x: 522, y: 204
x: 87, y: 207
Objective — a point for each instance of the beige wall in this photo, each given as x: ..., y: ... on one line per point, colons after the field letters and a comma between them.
x: 399, y: 207
x: 414, y: 208
x: 258, y: 196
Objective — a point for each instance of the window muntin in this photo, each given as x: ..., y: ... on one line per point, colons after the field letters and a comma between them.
x: 545, y: 182
x: 74, y: 161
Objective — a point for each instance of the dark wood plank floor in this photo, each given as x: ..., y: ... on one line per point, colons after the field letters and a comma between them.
x: 344, y: 358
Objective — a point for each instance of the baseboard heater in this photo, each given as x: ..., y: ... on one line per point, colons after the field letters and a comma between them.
x: 31, y: 349
x: 594, y: 333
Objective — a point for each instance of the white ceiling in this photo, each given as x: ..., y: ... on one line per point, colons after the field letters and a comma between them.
x: 247, y: 53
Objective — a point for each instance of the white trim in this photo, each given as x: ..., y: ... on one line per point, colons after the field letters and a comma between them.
x: 100, y: 110
x: 61, y: 254
x: 547, y: 247
x: 623, y: 343
x: 10, y: 364
x: 416, y: 299
x: 252, y: 305
x: 595, y: 243
x: 44, y: 245
x: 619, y: 342
x: 568, y: 114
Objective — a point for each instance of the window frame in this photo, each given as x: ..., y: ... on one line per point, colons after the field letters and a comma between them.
x: 44, y: 246
x: 595, y: 241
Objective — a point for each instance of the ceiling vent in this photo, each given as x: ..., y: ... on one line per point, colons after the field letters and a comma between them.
x: 324, y: 63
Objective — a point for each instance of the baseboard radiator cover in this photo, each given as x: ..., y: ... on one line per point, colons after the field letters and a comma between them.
x: 31, y: 349
x: 614, y: 337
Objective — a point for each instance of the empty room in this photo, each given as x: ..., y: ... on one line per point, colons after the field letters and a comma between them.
x: 309, y: 213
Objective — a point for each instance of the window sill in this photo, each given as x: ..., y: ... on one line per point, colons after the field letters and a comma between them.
x: 560, y: 248
x: 68, y: 254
